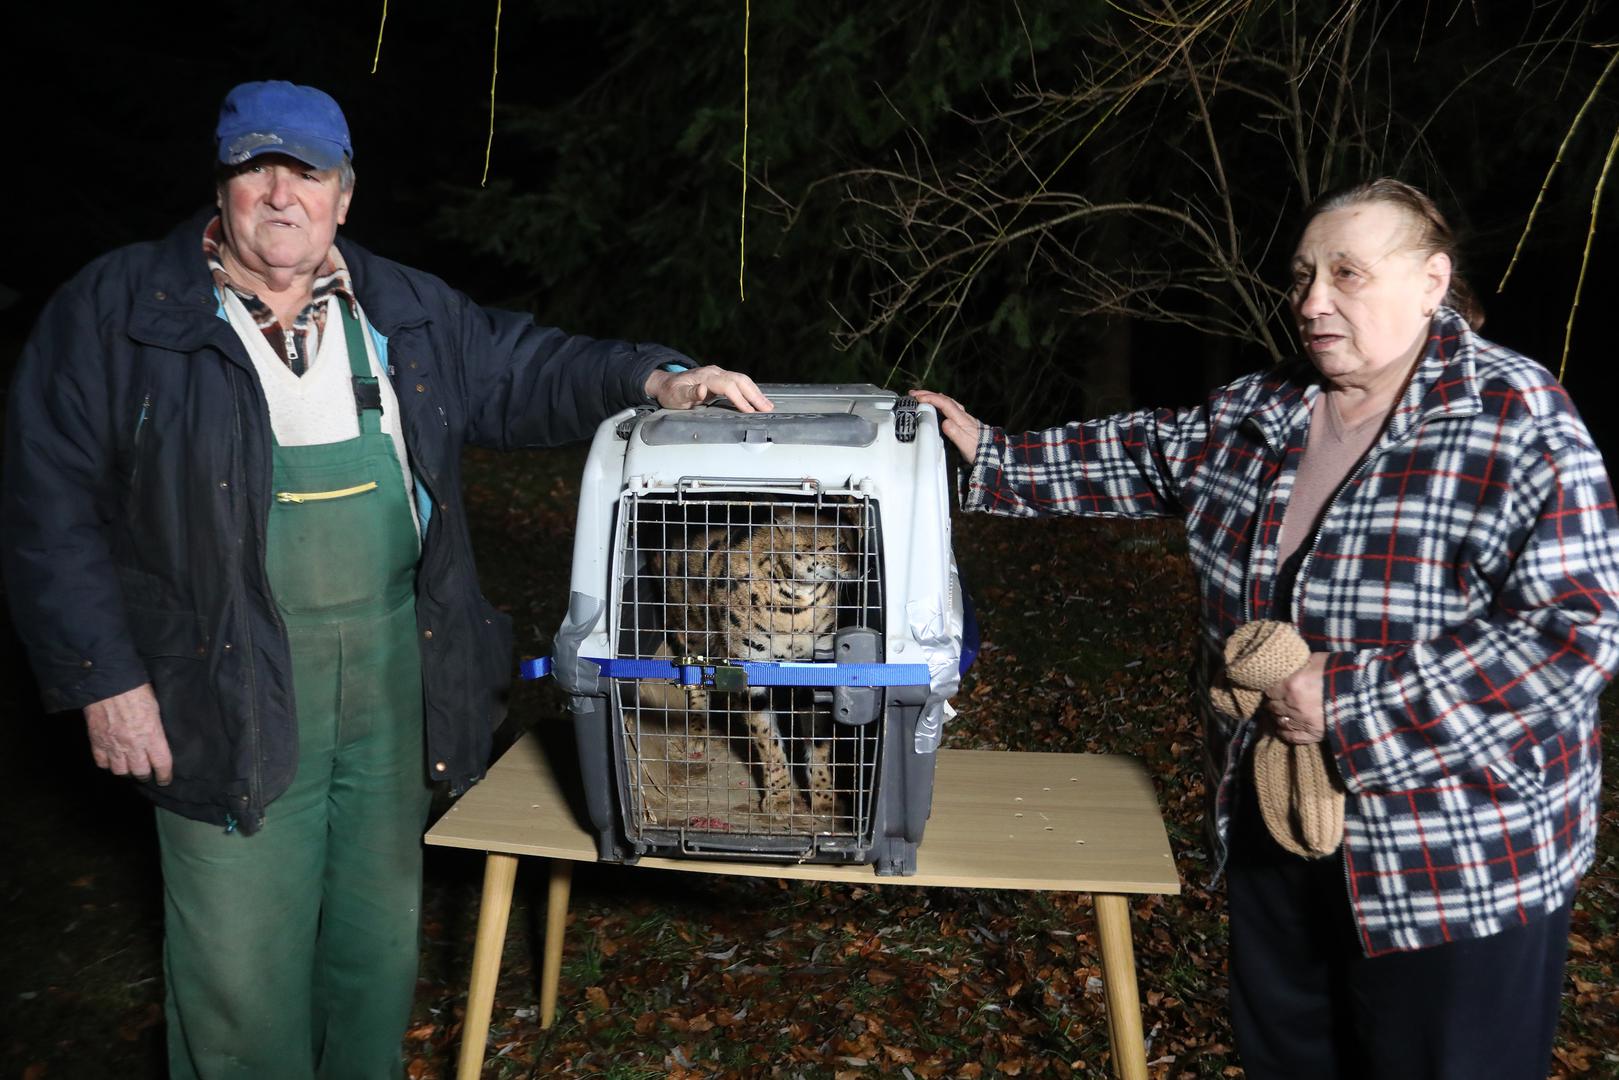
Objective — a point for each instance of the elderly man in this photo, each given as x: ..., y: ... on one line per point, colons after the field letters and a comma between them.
x: 235, y: 538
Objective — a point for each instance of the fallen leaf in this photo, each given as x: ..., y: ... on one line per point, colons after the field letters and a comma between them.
x: 1576, y: 1058
x: 150, y: 1017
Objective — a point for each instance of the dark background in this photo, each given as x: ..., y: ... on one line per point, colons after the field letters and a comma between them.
x: 112, y: 113
x: 108, y: 141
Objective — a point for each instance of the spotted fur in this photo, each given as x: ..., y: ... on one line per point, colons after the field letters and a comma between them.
x: 768, y: 593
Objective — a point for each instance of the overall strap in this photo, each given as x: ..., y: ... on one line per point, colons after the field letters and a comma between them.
x: 367, y: 395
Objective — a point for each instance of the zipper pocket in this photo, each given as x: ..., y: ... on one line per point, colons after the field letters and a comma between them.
x: 135, y: 440
x: 322, y: 496
x: 140, y: 421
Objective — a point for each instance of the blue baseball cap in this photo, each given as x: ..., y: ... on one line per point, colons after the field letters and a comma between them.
x: 279, y: 117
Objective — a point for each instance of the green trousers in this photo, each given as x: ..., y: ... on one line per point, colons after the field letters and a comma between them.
x: 291, y: 953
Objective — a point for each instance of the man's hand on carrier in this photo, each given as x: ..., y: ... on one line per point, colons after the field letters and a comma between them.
x: 126, y: 735
x: 956, y: 423
x: 684, y: 389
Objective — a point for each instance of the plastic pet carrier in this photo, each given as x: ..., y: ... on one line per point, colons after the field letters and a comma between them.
x: 764, y: 629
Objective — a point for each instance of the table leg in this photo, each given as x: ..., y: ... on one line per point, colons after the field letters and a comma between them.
x: 499, y: 877
x: 556, y: 921
x: 1119, y: 980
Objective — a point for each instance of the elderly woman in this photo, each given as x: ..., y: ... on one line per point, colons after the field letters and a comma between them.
x: 1428, y: 510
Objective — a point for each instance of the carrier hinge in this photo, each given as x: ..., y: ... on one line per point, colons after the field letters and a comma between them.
x: 627, y: 425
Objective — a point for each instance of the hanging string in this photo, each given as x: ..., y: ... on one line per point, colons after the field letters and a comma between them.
x: 742, y: 238
x: 380, y: 26
x: 494, y: 70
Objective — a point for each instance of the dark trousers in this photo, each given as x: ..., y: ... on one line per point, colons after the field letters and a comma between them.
x: 1306, y: 1002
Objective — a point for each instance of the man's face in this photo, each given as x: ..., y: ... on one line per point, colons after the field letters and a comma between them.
x: 279, y: 215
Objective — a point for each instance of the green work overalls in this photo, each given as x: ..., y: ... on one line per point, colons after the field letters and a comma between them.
x: 292, y: 953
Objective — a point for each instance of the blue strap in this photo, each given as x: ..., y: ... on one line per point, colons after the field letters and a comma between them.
x: 969, y: 631
x: 759, y: 673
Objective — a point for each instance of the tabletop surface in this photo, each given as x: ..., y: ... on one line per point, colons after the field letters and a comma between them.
x: 1000, y: 820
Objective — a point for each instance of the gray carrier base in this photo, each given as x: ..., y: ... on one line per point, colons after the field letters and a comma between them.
x: 666, y: 778
x: 905, y: 798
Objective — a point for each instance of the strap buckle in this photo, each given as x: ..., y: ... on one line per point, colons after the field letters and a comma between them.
x: 727, y: 678
x: 367, y: 394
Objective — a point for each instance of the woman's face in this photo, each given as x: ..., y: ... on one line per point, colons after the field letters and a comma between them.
x: 1362, y: 295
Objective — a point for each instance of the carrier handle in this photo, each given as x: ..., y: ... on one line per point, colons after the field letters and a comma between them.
x: 807, y: 485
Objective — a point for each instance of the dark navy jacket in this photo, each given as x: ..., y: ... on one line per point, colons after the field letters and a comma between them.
x: 137, y: 487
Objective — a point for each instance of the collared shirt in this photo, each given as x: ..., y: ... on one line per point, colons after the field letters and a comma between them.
x: 317, y: 405
x: 298, y: 344
x: 1464, y: 584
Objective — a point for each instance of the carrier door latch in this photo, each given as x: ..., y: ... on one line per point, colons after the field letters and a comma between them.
x: 856, y: 705
x: 905, y: 418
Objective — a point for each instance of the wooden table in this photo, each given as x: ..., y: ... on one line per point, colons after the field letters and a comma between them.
x: 1066, y: 822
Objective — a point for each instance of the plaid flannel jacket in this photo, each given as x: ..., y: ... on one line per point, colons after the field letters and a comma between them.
x: 1464, y: 582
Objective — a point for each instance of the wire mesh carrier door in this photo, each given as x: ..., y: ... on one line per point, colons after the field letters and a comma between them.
x: 751, y: 585
x: 748, y: 577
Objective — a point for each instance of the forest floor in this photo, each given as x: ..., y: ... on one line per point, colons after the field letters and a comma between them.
x: 1087, y: 628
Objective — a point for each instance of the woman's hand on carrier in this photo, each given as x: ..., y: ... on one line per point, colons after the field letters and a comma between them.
x: 956, y: 423
x: 685, y: 389
x: 1296, y: 705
